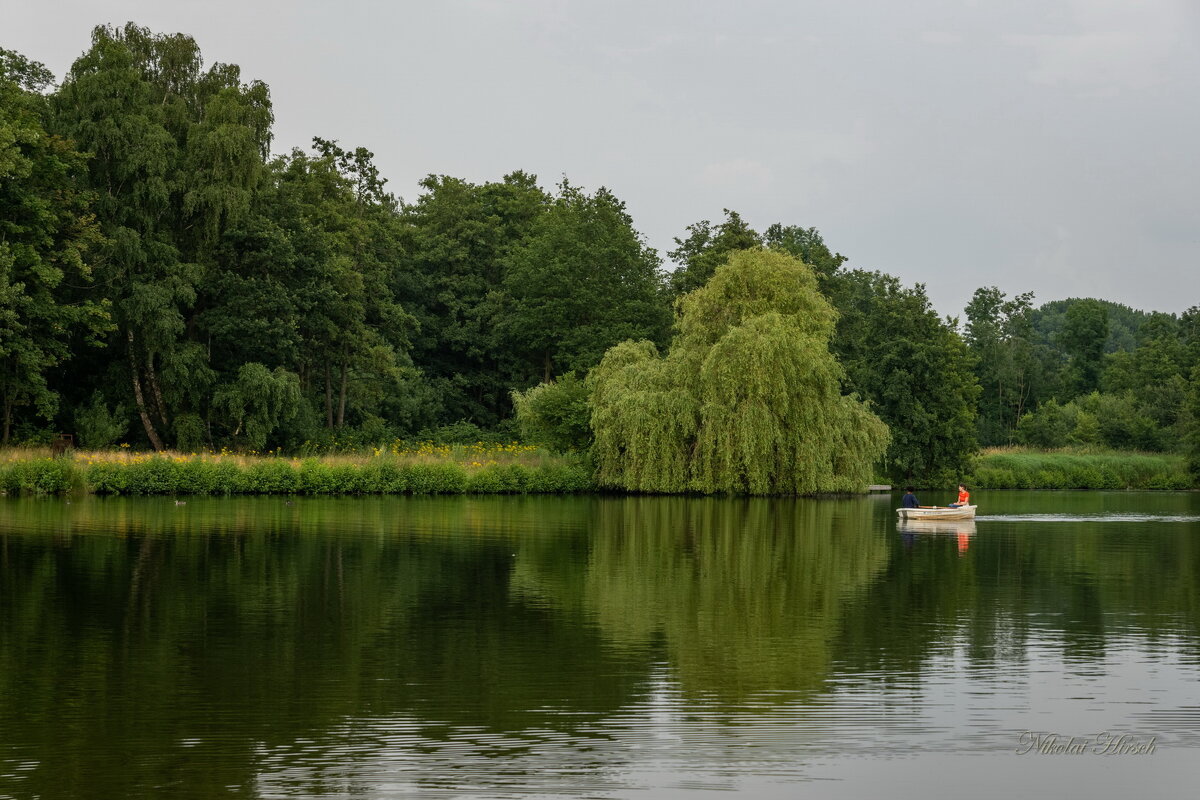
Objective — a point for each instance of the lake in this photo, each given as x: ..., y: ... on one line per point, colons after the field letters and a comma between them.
x: 599, y: 647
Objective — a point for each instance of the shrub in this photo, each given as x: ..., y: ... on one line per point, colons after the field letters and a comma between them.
x: 562, y: 478
x: 8, y: 480
x: 999, y: 473
x: 1049, y: 479
x: 41, y: 476
x: 153, y: 476
x: 97, y: 426
x: 385, y: 477
x: 1049, y: 426
x: 441, y: 478
x: 315, y: 477
x: 208, y: 477
x: 269, y: 476
x: 105, y: 477
x: 347, y: 479
x: 556, y: 415
x: 461, y: 432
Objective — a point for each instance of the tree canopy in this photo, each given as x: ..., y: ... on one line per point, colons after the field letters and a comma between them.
x: 915, y: 371
x: 746, y: 400
x: 48, y: 245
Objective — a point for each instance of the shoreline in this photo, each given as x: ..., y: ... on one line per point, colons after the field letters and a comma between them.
x: 496, y: 469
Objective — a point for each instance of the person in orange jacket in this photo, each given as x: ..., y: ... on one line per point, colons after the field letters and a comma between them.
x: 964, y: 497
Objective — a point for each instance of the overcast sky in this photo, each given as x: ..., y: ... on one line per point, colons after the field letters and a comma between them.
x: 1043, y: 145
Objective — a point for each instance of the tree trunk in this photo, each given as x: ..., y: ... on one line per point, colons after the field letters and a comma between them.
x: 546, y: 365
x: 328, y: 397
x: 342, y: 397
x: 151, y: 433
x: 152, y: 379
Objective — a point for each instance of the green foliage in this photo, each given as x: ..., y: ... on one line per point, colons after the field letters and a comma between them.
x: 351, y: 332
x: 257, y: 403
x: 269, y: 476
x: 1084, y: 332
x: 1050, y: 319
x: 461, y: 432
x: 435, y: 478
x: 180, y: 476
x: 913, y: 369
x: 1050, y: 427
x: 1112, y: 420
x: 97, y: 427
x: 47, y: 243
x: 556, y: 415
x: 519, y: 479
x: 1192, y: 437
x: 747, y: 399
x: 177, y: 156
x: 190, y: 433
x: 807, y: 245
x: 1010, y: 366
x: 457, y: 240
x: 28, y: 75
x: 39, y: 476
x: 581, y: 281
x: 1067, y: 470
x: 707, y: 247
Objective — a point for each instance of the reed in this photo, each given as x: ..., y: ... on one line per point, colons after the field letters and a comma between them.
x: 1023, y: 468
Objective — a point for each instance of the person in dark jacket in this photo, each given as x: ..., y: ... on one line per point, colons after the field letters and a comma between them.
x: 909, y: 500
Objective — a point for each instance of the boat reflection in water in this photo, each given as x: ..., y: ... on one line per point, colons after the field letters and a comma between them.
x: 962, y: 530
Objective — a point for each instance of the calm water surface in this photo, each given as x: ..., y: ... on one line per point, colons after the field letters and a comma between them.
x: 597, y: 647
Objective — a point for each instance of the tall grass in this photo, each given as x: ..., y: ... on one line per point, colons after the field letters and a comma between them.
x: 436, y: 469
x: 1020, y: 468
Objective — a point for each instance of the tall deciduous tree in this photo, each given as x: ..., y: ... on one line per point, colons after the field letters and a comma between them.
x: 913, y: 368
x: 343, y: 230
x: 1192, y: 440
x: 582, y: 281
x: 1008, y: 363
x: 747, y: 400
x: 177, y: 152
x: 48, y: 240
x: 807, y: 245
x: 707, y: 247
x: 456, y: 244
x: 1083, y: 335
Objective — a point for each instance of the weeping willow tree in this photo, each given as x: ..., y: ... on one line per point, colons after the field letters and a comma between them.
x: 746, y: 401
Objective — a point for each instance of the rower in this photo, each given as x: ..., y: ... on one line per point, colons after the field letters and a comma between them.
x: 964, y: 497
x: 909, y: 500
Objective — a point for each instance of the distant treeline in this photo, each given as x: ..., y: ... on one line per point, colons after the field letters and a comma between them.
x: 165, y: 280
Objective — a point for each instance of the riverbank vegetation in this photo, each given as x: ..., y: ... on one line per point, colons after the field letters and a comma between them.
x: 170, y: 283
x: 1022, y: 468
x: 424, y: 468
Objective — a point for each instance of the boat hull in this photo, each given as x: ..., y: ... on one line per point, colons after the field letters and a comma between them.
x: 937, y: 513
x: 948, y: 526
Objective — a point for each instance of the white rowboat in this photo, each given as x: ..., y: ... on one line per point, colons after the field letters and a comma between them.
x: 937, y: 513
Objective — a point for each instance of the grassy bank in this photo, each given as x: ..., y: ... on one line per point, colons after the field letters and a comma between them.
x: 1019, y: 468
x: 422, y: 469
x: 487, y: 469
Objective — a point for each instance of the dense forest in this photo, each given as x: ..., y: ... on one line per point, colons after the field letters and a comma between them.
x: 168, y: 281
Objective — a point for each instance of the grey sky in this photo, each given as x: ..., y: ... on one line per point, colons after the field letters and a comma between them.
x: 1044, y: 145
